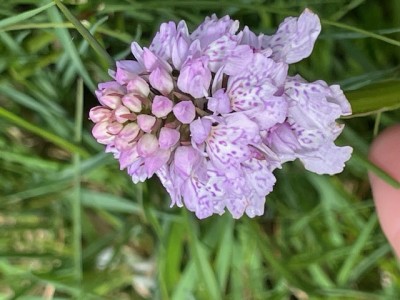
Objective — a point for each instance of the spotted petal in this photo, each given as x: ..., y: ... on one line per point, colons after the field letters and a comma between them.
x: 328, y: 159
x: 295, y: 38
x: 227, y: 144
x: 213, y: 28
x: 225, y: 52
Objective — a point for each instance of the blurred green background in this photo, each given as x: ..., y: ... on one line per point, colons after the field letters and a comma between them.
x: 72, y: 226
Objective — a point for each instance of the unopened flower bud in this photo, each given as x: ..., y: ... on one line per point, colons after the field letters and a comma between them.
x: 125, y: 137
x: 195, y: 77
x: 147, y: 145
x: 114, y: 128
x: 168, y: 137
x: 122, y: 114
x: 110, y: 100
x: 161, y: 106
x: 132, y: 102
x: 161, y: 80
x: 101, y: 134
x: 99, y: 113
x: 108, y: 88
x: 146, y: 122
x: 185, y: 111
x: 179, y: 51
x: 138, y: 86
x: 129, y: 132
x: 126, y: 71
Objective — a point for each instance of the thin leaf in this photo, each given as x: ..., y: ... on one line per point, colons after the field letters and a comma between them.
x: 70, y: 49
x: 353, y: 256
x: 362, y: 31
x: 375, y: 98
x: 109, y: 202
x: 62, y: 143
x: 361, y: 160
x: 224, y: 254
x: 86, y: 34
x: 76, y: 196
x: 198, y: 252
x: 23, y: 16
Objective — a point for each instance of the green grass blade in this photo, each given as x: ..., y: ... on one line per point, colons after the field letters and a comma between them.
x: 320, y: 277
x: 70, y: 49
x: 375, y: 98
x: 368, y: 262
x: 345, y: 271
x: 362, y: 161
x: 277, y: 264
x: 206, y: 273
x: 5, y: 114
x: 43, y: 189
x: 30, y: 161
x: 44, y: 25
x: 86, y: 34
x: 187, y: 282
x: 76, y: 198
x: 362, y: 31
x: 336, y: 293
x: 24, y: 100
x: 109, y: 202
x: 172, y: 261
x: 23, y: 16
x: 224, y: 255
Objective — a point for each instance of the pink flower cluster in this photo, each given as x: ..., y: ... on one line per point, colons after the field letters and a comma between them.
x: 214, y: 112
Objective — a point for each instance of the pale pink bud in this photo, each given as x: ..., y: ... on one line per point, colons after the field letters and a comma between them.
x: 195, y: 77
x: 112, y: 101
x: 150, y: 60
x: 146, y: 122
x: 168, y: 137
x: 161, y: 80
x: 125, y: 137
x: 179, y: 51
x: 138, y: 86
x: 185, y: 111
x: 110, y: 87
x: 101, y: 134
x: 99, y: 113
x: 147, y: 145
x: 126, y: 70
x: 114, y: 127
x: 132, y: 102
x: 129, y: 132
x: 161, y: 106
x: 122, y: 114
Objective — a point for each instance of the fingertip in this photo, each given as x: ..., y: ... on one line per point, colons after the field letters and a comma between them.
x: 385, y: 146
x: 385, y: 153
